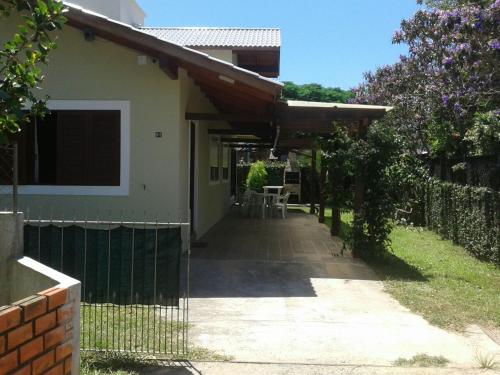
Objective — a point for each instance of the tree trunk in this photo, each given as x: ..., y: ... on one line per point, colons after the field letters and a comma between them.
x: 359, y: 192
x: 337, y: 183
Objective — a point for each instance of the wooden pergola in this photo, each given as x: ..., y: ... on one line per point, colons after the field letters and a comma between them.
x: 293, y: 125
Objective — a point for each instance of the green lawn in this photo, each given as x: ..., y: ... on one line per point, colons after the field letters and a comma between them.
x: 134, y: 328
x: 437, y: 279
x: 119, y: 340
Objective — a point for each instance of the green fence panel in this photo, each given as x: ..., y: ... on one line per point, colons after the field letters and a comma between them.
x: 120, y: 265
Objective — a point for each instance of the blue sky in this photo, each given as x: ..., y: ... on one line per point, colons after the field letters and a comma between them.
x: 331, y: 42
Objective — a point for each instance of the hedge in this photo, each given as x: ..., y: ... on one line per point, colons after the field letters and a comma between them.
x: 467, y: 215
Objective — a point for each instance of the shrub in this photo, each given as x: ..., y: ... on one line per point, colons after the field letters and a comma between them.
x: 257, y: 176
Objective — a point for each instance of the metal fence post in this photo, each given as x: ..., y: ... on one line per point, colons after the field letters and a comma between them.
x: 15, y: 178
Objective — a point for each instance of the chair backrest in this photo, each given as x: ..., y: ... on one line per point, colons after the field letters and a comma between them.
x: 284, y: 198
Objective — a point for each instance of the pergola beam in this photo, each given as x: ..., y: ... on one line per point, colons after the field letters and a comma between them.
x: 230, y: 117
x: 248, y: 145
x: 233, y: 132
x: 245, y: 141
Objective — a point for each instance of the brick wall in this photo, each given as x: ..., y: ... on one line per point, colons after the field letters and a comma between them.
x: 36, y: 334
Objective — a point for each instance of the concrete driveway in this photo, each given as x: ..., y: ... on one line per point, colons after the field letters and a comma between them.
x: 282, y: 291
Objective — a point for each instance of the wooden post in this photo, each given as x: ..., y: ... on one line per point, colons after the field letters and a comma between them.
x: 314, y: 183
x: 359, y: 192
x: 322, y: 193
x: 336, y: 183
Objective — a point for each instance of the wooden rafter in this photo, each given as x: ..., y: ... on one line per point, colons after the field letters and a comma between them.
x: 244, y: 140
x: 169, y: 66
x: 234, y: 132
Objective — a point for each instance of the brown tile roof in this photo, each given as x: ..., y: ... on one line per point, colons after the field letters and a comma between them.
x: 217, y: 37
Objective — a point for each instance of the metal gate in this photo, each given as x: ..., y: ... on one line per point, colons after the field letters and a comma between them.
x: 135, y: 280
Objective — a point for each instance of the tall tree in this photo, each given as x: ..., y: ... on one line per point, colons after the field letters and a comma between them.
x: 21, y: 57
x: 449, y: 78
x: 453, y: 4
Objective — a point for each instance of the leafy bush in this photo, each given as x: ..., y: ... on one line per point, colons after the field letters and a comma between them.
x: 469, y: 216
x: 257, y: 176
x: 484, y: 135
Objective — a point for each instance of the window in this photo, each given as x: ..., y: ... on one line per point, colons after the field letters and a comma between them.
x: 226, y: 157
x: 71, y: 148
x: 215, y: 146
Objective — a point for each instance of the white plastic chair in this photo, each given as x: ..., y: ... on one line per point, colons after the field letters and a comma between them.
x: 282, y: 204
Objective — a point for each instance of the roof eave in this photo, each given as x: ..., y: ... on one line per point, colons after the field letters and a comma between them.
x: 136, y: 39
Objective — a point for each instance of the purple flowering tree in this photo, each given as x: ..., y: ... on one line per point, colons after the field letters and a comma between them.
x: 449, y: 78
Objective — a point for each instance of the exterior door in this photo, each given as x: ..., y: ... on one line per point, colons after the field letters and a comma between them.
x: 192, y: 174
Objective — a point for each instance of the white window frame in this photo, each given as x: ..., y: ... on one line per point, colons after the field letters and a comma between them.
x: 226, y: 150
x: 92, y: 105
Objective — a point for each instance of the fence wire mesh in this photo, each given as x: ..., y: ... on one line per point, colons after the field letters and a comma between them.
x: 8, y: 178
x: 135, y: 280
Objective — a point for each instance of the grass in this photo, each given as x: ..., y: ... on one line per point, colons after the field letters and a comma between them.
x: 422, y: 360
x: 486, y: 361
x: 437, y: 279
x: 112, y: 363
x: 136, y: 329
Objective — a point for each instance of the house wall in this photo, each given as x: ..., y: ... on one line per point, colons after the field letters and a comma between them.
x: 158, y: 185
x: 221, y: 54
x: 126, y: 11
x: 101, y: 71
x: 213, y: 199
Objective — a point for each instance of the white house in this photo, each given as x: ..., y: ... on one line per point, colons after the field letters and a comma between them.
x: 143, y: 119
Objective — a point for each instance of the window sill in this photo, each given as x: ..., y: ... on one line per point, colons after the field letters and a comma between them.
x: 71, y: 190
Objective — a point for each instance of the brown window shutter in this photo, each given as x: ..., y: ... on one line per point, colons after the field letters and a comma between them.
x: 104, y: 149
x: 26, y: 154
x: 72, y: 139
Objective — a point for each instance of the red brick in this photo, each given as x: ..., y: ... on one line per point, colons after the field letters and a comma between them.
x: 44, y: 323
x: 54, y: 337
x: 43, y: 363
x: 8, y: 362
x: 63, y: 350
x: 26, y: 370
x: 56, y: 296
x: 65, y: 312
x: 31, y: 349
x: 69, y: 334
x: 57, y: 370
x: 67, y: 365
x: 69, y: 326
x: 10, y: 317
x: 33, y: 307
x: 20, y: 335
x: 2, y: 344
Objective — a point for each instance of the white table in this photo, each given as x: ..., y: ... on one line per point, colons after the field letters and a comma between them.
x: 277, y: 188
